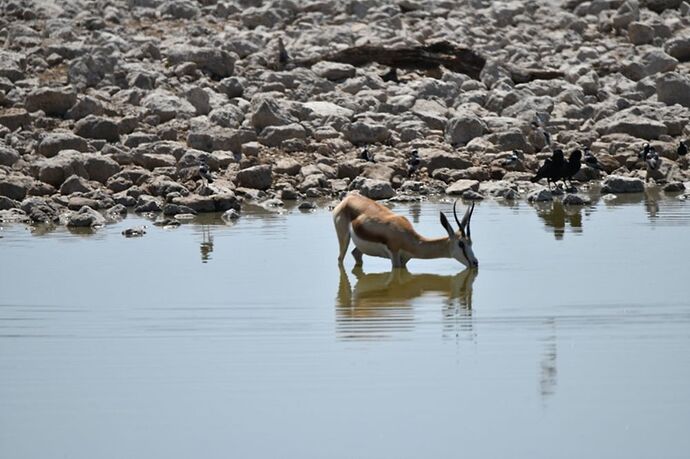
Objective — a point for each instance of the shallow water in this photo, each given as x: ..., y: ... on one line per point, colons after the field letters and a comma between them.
x: 215, y: 341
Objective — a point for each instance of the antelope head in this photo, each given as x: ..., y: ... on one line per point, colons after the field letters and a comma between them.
x: 460, y: 241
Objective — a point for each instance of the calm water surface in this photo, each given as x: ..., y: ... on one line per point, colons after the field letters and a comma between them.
x: 217, y: 341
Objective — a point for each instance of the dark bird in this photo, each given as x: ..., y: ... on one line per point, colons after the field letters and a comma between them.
x: 571, y: 167
x: 650, y: 157
x: 413, y: 163
x: 204, y: 171
x: 391, y: 75
x: 551, y: 169
x: 283, y: 56
x: 682, y: 149
x: 591, y: 160
x: 547, y: 137
x: 366, y: 155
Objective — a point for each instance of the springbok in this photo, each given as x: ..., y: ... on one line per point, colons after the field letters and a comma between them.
x: 378, y: 232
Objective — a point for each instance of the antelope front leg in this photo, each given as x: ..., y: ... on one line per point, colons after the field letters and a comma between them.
x: 357, y: 254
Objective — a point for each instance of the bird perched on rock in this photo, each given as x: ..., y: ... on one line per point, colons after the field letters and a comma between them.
x: 391, y: 75
x: 591, y: 160
x: 551, y: 169
x: 413, y: 163
x: 538, y: 124
x: 283, y: 56
x: 650, y: 157
x: 511, y: 160
x: 204, y: 171
x: 571, y: 167
x: 366, y: 155
x: 682, y: 149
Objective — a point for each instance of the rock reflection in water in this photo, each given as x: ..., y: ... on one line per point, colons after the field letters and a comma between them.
x: 381, y: 304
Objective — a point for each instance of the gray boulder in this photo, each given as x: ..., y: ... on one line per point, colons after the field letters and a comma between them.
x: 256, y: 177
x: 652, y: 62
x: 90, y: 69
x: 12, y: 65
x: 74, y: 184
x: 55, y: 142
x: 463, y: 128
x: 87, y: 105
x: 372, y: 188
x: 266, y: 111
x: 55, y: 170
x: 171, y: 209
x: 287, y: 166
x: 214, y: 203
x: 574, y: 200
x: 53, y: 101
x: 619, y: 184
x: 459, y: 187
x: 179, y: 9
x: 8, y: 155
x: 628, y: 12
x: 438, y: 159
x: 14, y: 118
x: 674, y: 187
x: 366, y: 133
x: 541, y: 195
x: 199, y: 99
x: 167, y: 105
x: 15, y: 186
x: 320, y: 109
x: 640, y: 33
x: 659, y: 6
x: 97, y: 127
x: 86, y: 217
x: 100, y: 168
x: 635, y: 126
x: 217, y: 62
x: 334, y: 71
x: 7, y: 203
x: 679, y: 47
x: 274, y: 136
x: 232, y: 87
x: 673, y: 88
x: 228, y: 116
x: 40, y: 210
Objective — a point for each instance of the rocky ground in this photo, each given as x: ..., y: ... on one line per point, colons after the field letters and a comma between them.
x: 111, y: 106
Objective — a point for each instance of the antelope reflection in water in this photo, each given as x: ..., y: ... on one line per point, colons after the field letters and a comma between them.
x: 381, y: 304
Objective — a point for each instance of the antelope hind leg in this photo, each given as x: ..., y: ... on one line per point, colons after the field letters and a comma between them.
x: 342, y: 229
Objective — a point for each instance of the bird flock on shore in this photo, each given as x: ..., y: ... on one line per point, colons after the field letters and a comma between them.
x: 558, y: 168
x: 554, y: 168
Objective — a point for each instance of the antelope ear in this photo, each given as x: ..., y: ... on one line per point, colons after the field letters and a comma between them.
x: 446, y: 225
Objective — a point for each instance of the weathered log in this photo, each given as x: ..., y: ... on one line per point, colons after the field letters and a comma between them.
x: 454, y: 58
x: 424, y: 57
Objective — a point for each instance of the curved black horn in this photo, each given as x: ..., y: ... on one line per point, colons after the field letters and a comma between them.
x: 469, y: 218
x: 455, y: 214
